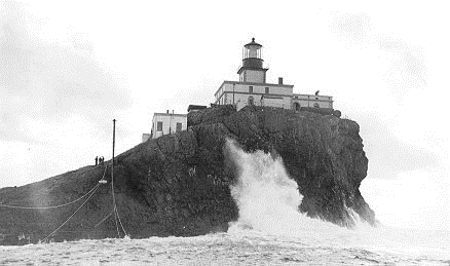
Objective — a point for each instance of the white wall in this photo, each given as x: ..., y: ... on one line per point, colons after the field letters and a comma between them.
x: 169, y: 123
x: 248, y: 75
x: 145, y: 137
x: 307, y: 100
x: 284, y: 102
x: 242, y: 93
x: 242, y: 100
x: 282, y: 96
x: 258, y: 88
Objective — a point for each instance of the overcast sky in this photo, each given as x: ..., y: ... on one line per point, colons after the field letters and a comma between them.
x: 67, y: 69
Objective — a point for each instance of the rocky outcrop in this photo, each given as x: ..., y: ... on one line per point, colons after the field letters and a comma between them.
x: 180, y: 184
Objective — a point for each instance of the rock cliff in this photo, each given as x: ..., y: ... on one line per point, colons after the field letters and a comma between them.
x: 180, y: 184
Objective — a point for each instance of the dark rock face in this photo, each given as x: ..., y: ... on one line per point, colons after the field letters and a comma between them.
x: 180, y: 184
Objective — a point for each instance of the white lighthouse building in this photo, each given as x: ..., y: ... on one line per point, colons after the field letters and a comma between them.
x: 252, y: 88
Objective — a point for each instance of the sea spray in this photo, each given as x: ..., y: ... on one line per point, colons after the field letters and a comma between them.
x: 268, y: 201
x: 263, y: 191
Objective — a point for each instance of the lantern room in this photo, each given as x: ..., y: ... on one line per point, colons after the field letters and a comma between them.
x: 252, y: 55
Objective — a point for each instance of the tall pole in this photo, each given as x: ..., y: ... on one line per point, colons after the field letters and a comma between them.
x: 112, y: 178
x: 114, y: 140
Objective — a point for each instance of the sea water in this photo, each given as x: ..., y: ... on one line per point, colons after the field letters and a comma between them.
x: 269, y: 231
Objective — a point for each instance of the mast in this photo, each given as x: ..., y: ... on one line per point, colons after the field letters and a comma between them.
x: 112, y: 178
x: 114, y: 143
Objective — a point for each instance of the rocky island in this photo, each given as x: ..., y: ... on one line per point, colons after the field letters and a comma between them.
x: 179, y: 184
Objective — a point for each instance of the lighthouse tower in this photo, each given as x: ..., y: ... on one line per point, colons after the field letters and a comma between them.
x: 252, y: 88
x: 252, y: 69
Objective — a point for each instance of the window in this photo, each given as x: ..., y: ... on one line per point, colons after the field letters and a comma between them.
x: 159, y: 126
x: 251, y: 101
x: 179, y: 126
x: 267, y: 90
x: 250, y: 89
x: 296, y: 106
x: 316, y: 105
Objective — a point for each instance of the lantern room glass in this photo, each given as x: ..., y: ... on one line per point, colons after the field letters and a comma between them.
x: 252, y: 51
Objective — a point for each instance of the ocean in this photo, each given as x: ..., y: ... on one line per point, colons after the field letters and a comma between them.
x: 246, y: 246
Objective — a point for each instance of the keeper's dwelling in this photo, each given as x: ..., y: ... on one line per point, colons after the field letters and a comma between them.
x: 166, y: 123
x: 252, y: 88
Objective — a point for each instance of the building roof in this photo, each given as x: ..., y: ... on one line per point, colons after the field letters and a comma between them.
x: 252, y: 43
x: 195, y: 107
x: 311, y: 95
x: 168, y: 114
x: 252, y: 83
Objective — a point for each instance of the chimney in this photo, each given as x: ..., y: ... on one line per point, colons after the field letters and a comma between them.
x: 280, y: 80
x: 167, y: 111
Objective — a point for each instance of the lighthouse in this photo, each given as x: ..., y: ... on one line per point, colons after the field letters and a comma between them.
x: 252, y: 69
x: 252, y: 87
